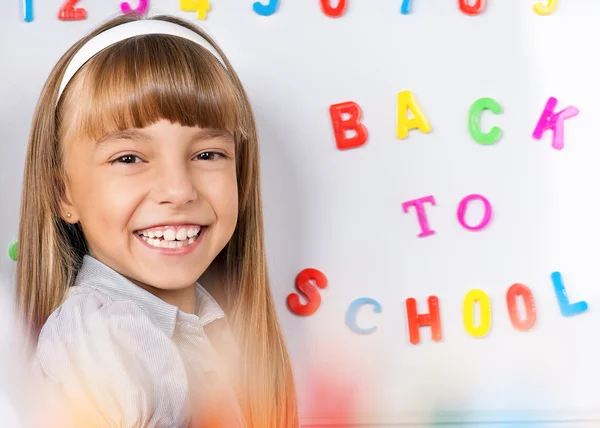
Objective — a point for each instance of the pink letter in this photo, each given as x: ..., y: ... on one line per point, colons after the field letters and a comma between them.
x: 418, y: 204
x: 554, y: 121
x: 462, y: 209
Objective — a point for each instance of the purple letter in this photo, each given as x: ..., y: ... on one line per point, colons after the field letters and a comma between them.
x: 418, y: 204
x: 550, y: 120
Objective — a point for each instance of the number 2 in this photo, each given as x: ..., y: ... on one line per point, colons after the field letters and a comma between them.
x: 200, y: 6
x: 68, y: 12
x: 141, y: 9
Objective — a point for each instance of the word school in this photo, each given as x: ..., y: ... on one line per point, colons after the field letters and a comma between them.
x: 308, y: 280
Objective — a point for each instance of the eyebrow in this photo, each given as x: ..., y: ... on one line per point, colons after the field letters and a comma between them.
x: 138, y: 135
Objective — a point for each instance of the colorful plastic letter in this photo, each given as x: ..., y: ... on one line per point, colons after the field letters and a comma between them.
x: 333, y: 12
x: 476, y: 9
x: 140, y: 10
x: 566, y: 309
x: 340, y: 126
x: 28, y: 10
x: 68, y: 12
x: 542, y: 9
x: 304, y: 285
x: 485, y: 311
x: 554, y: 121
x: 528, y: 322
x: 420, y: 320
x: 265, y: 9
x: 462, y: 209
x: 406, y: 100
x: 420, y: 208
x: 352, y: 311
x: 405, y: 9
x: 13, y: 250
x: 200, y: 6
x: 474, y: 121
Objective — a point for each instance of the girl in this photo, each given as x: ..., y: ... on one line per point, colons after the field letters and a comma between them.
x: 141, y: 177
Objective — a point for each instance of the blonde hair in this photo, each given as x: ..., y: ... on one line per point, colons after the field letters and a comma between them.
x: 132, y: 84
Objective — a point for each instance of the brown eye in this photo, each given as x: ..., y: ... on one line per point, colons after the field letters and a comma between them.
x: 126, y: 159
x: 209, y: 156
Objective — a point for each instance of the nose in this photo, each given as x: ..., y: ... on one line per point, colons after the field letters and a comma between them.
x: 174, y: 186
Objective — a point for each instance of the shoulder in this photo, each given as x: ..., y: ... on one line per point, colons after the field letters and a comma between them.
x: 91, y: 327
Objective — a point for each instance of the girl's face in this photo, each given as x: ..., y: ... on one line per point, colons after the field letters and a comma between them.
x: 156, y: 204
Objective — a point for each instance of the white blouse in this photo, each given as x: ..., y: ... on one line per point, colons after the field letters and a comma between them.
x: 130, y: 358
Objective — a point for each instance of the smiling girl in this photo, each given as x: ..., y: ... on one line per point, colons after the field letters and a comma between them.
x: 141, y: 183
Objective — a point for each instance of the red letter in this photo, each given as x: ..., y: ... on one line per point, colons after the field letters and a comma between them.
x: 513, y: 311
x: 340, y: 126
x: 312, y: 294
x: 476, y: 9
x: 419, y: 320
x: 68, y: 12
x: 418, y: 204
x: 333, y: 12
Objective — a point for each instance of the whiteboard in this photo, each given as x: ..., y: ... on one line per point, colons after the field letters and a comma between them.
x: 340, y: 211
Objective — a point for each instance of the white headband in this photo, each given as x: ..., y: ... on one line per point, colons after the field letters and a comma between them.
x: 126, y: 31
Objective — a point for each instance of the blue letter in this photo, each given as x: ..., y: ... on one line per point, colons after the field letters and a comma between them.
x: 405, y: 10
x: 566, y: 308
x: 28, y: 10
x: 265, y: 10
x: 353, y: 309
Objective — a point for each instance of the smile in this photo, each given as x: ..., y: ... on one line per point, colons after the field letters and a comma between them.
x: 170, y: 236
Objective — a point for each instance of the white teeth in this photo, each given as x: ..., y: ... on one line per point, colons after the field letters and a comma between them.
x: 191, y: 232
x: 189, y: 241
x: 169, y: 235
x: 158, y: 233
x: 181, y: 234
x: 151, y: 234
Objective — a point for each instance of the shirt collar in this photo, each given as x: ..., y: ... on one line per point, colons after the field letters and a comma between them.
x: 94, y: 273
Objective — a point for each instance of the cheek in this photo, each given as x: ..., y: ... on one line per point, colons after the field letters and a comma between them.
x: 104, y: 202
x: 222, y: 194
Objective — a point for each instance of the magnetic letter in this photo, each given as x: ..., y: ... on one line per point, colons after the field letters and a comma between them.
x: 333, y: 12
x: 566, y: 308
x: 476, y: 9
x: 513, y: 292
x: 141, y: 9
x: 542, y: 9
x: 265, y: 10
x: 405, y: 9
x: 485, y: 310
x: 406, y: 100
x: 420, y: 208
x: 420, y: 320
x: 68, y: 12
x: 28, y: 10
x: 312, y: 294
x: 550, y: 120
x: 462, y: 209
x: 474, y: 118
x: 340, y: 126
x: 352, y: 311
x: 200, y: 6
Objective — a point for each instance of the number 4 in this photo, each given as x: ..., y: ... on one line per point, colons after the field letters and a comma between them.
x: 68, y: 12
x: 200, y: 6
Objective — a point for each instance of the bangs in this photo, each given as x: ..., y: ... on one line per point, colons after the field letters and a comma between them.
x: 142, y: 80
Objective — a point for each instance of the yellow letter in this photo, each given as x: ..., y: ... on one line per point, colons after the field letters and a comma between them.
x: 485, y: 310
x: 540, y: 9
x: 407, y: 101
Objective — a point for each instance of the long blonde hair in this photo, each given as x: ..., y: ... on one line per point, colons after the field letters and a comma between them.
x: 132, y: 84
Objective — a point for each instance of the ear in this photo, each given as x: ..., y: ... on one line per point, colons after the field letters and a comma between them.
x: 68, y: 212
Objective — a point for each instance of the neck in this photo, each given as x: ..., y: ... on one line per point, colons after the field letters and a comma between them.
x: 184, y: 298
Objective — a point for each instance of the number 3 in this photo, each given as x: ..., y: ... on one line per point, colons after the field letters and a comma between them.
x: 141, y: 9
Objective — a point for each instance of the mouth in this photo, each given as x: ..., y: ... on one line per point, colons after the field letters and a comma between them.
x: 173, y: 236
